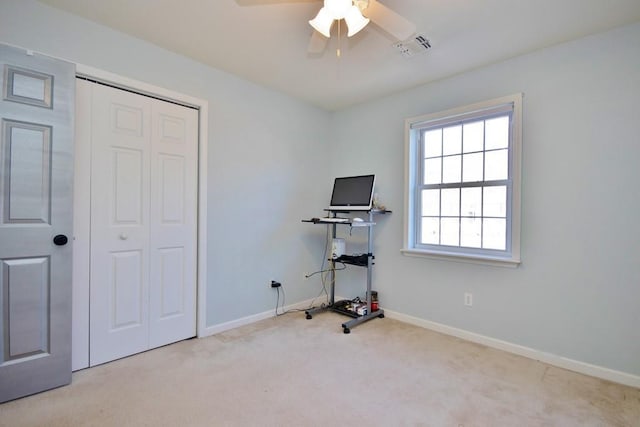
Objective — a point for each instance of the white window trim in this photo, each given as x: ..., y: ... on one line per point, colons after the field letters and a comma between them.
x: 410, y: 177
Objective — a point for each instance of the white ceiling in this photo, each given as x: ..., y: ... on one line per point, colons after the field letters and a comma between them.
x: 265, y: 41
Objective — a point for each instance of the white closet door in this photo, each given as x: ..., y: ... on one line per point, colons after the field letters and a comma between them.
x: 173, y: 223
x: 120, y: 182
x: 143, y: 223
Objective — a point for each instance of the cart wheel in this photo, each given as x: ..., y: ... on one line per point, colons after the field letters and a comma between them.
x: 381, y: 316
x: 346, y: 330
x: 309, y: 316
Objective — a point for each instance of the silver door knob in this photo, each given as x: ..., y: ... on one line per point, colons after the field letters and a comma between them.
x: 123, y: 236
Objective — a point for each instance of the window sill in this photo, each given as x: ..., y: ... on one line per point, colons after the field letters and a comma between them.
x: 473, y: 259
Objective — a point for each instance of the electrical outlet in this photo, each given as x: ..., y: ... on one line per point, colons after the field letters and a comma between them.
x: 275, y: 284
x: 305, y: 275
x: 468, y: 299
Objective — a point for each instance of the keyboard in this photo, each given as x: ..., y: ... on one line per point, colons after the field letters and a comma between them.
x: 334, y: 220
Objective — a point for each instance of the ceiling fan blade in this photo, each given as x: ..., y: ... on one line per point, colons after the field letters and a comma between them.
x: 396, y: 25
x: 317, y: 43
x: 265, y: 2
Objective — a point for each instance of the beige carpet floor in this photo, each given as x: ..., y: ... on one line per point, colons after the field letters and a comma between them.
x: 289, y: 371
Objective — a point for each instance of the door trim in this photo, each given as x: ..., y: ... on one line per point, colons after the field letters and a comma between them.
x: 202, y: 106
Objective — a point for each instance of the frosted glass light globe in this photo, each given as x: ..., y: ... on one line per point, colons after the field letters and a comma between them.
x: 338, y: 8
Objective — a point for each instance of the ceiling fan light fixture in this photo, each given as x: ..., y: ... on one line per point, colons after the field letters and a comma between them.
x: 355, y: 21
x: 323, y: 22
x: 336, y: 10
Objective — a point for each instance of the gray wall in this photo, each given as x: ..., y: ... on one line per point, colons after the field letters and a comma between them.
x: 265, y: 157
x: 577, y: 291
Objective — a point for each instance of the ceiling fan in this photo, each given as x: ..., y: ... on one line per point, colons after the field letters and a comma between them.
x: 356, y: 13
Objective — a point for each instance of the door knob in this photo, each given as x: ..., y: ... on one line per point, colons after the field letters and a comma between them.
x: 123, y: 236
x: 60, y: 240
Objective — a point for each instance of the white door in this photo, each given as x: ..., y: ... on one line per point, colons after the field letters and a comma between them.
x: 120, y: 183
x: 173, y: 223
x: 143, y: 223
x: 36, y: 199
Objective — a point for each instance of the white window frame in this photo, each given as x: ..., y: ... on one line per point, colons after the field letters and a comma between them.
x: 413, y: 170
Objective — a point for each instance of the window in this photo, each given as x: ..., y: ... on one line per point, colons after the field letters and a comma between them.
x: 463, y: 183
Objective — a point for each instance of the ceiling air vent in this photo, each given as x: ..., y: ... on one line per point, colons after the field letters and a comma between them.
x: 413, y: 46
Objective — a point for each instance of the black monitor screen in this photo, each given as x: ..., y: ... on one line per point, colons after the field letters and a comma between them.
x: 353, y: 192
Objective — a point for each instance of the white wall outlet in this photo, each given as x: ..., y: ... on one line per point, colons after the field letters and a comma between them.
x: 468, y: 299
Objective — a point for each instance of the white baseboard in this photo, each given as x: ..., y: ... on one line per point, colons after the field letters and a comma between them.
x: 222, y: 327
x: 551, y: 359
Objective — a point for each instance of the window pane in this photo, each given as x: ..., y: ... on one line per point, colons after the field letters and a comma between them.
x: 450, y: 232
x: 473, y: 137
x: 432, y: 172
x: 497, y: 133
x: 452, y: 140
x: 430, y: 231
x: 495, y: 201
x: 451, y: 169
x: 430, y: 202
x: 471, y: 201
x: 450, y: 202
x: 433, y: 143
x: 472, y: 167
x: 470, y: 232
x: 494, y: 233
x: 496, y: 165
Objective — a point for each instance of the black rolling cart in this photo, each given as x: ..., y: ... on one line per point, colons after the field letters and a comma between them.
x: 362, y: 261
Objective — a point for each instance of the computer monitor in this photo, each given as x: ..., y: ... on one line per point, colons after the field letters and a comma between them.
x: 353, y: 193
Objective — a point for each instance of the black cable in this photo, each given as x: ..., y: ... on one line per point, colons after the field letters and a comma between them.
x: 326, y: 249
x: 323, y: 281
x: 278, y: 299
x: 293, y: 310
x: 328, y: 269
x: 322, y: 269
x: 328, y: 242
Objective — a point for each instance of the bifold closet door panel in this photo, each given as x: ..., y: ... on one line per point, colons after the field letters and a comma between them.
x: 120, y: 187
x: 173, y: 222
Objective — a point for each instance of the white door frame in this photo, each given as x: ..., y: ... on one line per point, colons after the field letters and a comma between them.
x: 81, y: 224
